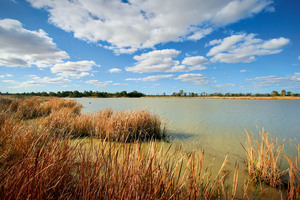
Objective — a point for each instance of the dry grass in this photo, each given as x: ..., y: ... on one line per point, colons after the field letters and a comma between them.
x: 64, y: 118
x: 39, y: 161
x: 294, y: 174
x: 35, y: 163
x: 263, y: 159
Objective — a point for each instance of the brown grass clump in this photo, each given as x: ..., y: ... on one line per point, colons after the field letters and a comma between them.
x: 64, y: 118
x: 36, y: 164
x: 128, y: 126
x: 123, y: 126
x: 35, y: 107
x: 294, y: 174
x: 263, y: 159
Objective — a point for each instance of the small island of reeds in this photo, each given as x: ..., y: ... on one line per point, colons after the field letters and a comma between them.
x: 49, y: 149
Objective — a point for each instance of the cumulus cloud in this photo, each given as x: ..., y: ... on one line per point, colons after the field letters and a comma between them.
x: 150, y: 78
x: 35, y: 81
x: 224, y: 45
x: 291, y: 81
x: 164, y: 61
x: 138, y: 24
x: 98, y: 83
x: 73, y: 69
x: 244, y: 48
x: 198, y: 34
x: 156, y: 61
x: 196, y: 79
x: 115, y: 70
x: 24, y: 48
x: 238, y: 9
x: 195, y: 60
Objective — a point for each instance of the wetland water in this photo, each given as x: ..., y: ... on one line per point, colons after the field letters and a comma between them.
x: 216, y: 125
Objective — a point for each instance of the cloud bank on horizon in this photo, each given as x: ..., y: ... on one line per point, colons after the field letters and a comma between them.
x: 145, y: 32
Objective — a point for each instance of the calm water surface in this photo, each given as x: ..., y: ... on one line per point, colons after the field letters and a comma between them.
x: 216, y: 125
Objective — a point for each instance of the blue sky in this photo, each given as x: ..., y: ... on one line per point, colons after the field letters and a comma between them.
x: 152, y: 46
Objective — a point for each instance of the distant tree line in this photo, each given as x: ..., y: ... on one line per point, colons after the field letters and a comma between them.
x: 80, y: 94
x: 181, y: 93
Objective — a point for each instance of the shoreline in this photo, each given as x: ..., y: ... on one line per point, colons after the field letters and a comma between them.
x: 244, y: 97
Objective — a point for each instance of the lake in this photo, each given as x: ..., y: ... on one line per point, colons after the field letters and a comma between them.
x: 216, y: 125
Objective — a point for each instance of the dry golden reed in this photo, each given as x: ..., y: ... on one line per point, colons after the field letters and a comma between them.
x: 263, y: 159
x: 39, y: 159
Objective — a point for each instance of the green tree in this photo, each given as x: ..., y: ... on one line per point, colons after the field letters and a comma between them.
x: 283, y: 93
x: 274, y: 93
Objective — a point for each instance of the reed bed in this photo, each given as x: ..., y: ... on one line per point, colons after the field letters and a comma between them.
x: 39, y: 160
x: 264, y: 157
x: 37, y: 164
x: 64, y: 118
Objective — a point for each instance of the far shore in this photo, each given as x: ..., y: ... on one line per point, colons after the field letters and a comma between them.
x: 241, y: 97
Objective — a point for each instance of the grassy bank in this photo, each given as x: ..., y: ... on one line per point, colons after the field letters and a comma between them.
x: 39, y: 158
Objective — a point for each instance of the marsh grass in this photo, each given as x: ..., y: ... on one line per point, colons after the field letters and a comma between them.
x: 40, y: 160
x: 264, y: 157
x: 63, y: 117
x: 36, y: 164
x: 294, y: 173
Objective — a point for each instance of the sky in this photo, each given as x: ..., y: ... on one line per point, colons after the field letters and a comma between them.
x: 152, y: 46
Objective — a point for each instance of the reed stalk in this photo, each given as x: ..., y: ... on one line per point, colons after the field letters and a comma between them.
x: 263, y: 159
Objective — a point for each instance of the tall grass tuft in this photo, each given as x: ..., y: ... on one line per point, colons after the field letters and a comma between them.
x: 63, y: 117
x: 263, y: 158
x: 294, y: 174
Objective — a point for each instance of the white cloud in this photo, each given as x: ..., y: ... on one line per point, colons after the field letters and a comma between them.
x: 290, y: 81
x: 198, y: 34
x: 24, y: 48
x: 115, y: 70
x: 244, y: 70
x: 150, y: 78
x: 24, y: 84
x: 140, y: 24
x: 6, y: 75
x: 197, y: 79
x: 36, y: 81
x: 195, y: 60
x: 196, y: 67
x: 225, y: 86
x: 119, y: 84
x: 244, y: 48
x: 156, y: 61
x: 163, y: 61
x: 225, y: 45
x: 98, y: 83
x: 276, y: 43
x: 299, y: 57
x: 73, y: 69
x: 238, y: 9
x: 49, y: 80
